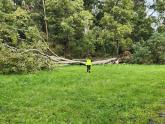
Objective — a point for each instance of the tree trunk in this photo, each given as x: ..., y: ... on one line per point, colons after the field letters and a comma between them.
x: 66, y: 47
x: 60, y: 60
x: 116, y: 2
x: 45, y: 20
x: 117, y: 48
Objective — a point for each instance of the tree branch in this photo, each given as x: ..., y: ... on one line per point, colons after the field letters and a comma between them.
x: 61, y: 60
x: 152, y: 13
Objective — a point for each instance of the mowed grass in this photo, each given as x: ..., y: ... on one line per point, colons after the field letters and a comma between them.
x: 111, y: 94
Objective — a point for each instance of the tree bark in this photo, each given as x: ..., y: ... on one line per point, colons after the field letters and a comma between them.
x: 45, y: 20
x: 116, y: 2
x: 117, y: 47
x: 66, y: 47
x: 61, y: 60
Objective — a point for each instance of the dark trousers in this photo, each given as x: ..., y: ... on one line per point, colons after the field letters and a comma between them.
x: 88, y: 68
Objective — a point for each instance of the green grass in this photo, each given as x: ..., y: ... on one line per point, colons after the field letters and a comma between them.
x: 111, y: 94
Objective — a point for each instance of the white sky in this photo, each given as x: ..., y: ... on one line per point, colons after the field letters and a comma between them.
x: 150, y: 2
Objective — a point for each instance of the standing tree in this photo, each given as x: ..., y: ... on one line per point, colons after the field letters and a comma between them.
x: 67, y: 22
x: 116, y: 25
x: 142, y: 29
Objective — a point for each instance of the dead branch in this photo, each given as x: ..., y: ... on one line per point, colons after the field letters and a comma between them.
x: 107, y: 61
x: 10, y: 47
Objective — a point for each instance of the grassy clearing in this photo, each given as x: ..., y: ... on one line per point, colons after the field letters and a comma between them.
x: 111, y: 94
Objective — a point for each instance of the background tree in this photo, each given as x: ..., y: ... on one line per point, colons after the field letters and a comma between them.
x: 142, y: 29
x: 67, y: 24
x: 116, y: 25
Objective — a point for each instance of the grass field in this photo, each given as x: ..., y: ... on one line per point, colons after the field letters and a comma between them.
x: 111, y: 94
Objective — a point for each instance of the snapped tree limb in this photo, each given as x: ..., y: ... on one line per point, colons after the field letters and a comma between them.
x: 61, y: 60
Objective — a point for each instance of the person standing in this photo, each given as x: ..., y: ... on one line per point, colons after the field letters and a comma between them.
x: 88, y: 64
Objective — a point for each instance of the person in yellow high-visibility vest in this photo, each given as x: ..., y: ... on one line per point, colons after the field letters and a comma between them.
x: 88, y: 64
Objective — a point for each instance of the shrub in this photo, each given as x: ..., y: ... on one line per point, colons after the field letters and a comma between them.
x: 142, y: 54
x: 151, y: 51
x: 157, y: 47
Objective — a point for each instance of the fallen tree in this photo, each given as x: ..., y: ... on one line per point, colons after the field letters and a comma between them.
x: 72, y: 62
x: 30, y: 59
x: 61, y: 60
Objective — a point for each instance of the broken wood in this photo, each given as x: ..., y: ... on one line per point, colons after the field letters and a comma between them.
x: 61, y: 60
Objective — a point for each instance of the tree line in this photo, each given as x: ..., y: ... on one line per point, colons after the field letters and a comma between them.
x: 76, y: 28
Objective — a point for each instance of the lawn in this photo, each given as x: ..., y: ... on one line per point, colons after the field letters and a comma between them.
x: 111, y: 94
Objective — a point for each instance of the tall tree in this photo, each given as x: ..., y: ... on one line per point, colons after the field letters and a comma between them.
x: 159, y: 6
x: 67, y: 23
x: 142, y: 29
x: 116, y: 24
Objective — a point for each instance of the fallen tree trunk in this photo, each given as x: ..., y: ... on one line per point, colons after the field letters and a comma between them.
x: 61, y: 60
x: 107, y: 61
x: 72, y: 62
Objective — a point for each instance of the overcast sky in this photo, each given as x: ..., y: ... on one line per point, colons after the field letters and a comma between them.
x: 150, y: 2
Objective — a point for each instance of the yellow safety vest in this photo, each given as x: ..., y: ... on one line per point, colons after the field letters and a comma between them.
x: 88, y: 62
